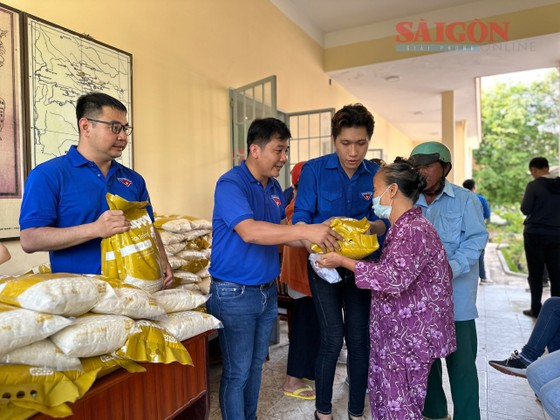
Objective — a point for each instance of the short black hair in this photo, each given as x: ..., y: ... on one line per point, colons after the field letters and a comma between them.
x: 349, y: 116
x: 469, y: 184
x: 539, y: 163
x: 262, y: 130
x: 91, y: 104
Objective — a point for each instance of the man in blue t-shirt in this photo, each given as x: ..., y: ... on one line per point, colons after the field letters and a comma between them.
x: 341, y: 185
x: 248, y: 223
x: 64, y: 209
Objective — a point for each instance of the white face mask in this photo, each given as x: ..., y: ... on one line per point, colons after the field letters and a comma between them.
x: 381, y: 211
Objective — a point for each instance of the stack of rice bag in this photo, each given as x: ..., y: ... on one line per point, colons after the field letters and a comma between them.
x: 188, y: 242
x: 59, y: 332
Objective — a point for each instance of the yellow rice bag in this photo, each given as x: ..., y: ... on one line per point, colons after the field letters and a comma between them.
x: 194, y: 266
x: 22, y: 410
x: 42, y: 268
x: 357, y: 244
x: 103, y: 365
x: 36, y: 387
x: 133, y: 256
x: 152, y: 343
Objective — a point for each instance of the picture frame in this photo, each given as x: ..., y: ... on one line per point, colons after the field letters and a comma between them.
x: 12, y: 150
x: 62, y: 65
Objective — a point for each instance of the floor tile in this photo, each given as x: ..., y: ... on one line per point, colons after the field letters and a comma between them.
x: 501, y: 328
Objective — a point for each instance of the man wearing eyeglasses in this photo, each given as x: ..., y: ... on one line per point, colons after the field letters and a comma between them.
x: 64, y: 209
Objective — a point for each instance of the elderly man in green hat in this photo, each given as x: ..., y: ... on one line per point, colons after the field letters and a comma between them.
x: 456, y: 214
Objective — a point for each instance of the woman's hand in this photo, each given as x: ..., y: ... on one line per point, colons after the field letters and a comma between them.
x: 330, y: 260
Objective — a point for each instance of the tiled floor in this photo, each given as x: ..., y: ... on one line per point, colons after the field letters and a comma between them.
x: 501, y: 328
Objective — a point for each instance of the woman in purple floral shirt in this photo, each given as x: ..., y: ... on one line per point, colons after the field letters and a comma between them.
x: 411, y: 318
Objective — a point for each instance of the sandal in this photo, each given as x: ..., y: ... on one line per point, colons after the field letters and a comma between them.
x: 297, y: 393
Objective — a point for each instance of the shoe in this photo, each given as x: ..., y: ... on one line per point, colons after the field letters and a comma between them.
x: 529, y: 312
x: 513, y: 365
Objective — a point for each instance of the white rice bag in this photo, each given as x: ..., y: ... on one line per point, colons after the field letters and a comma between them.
x: 191, y: 255
x: 178, y: 300
x: 20, y: 327
x: 138, y: 303
x: 43, y: 353
x: 195, y: 233
x: 173, y: 249
x: 177, y: 225
x: 94, y: 335
x: 108, y: 301
x: 187, y: 324
x: 200, y: 223
x: 54, y: 293
x: 186, y: 277
x: 175, y: 262
x: 169, y: 238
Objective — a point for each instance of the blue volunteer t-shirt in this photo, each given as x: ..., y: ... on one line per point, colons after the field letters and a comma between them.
x: 238, y: 197
x: 325, y: 191
x: 70, y: 190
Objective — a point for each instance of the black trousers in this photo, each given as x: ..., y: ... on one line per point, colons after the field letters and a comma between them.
x: 305, y: 339
x: 541, y: 251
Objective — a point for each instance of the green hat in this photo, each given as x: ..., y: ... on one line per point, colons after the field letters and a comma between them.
x: 430, y: 152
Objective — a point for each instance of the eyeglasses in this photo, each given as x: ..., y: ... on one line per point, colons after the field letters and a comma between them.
x: 116, y: 127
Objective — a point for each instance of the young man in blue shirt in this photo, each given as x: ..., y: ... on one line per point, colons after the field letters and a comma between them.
x: 64, y: 208
x: 248, y: 224
x: 341, y: 185
x: 457, y: 217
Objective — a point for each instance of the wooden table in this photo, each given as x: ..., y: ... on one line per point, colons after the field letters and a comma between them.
x: 162, y: 392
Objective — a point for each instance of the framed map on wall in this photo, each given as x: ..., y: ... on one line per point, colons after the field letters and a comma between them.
x: 61, y: 66
x: 11, y: 123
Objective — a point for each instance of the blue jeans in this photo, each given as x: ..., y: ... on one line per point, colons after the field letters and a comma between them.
x: 248, y: 315
x: 330, y: 302
x: 546, y: 332
x: 544, y: 377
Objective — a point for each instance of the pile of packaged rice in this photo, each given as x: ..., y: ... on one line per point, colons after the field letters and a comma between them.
x: 60, y: 331
x: 187, y: 241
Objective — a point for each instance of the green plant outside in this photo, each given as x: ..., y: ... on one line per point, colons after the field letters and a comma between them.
x: 509, y: 237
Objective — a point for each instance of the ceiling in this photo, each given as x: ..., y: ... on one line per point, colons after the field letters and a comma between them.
x: 407, y: 92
